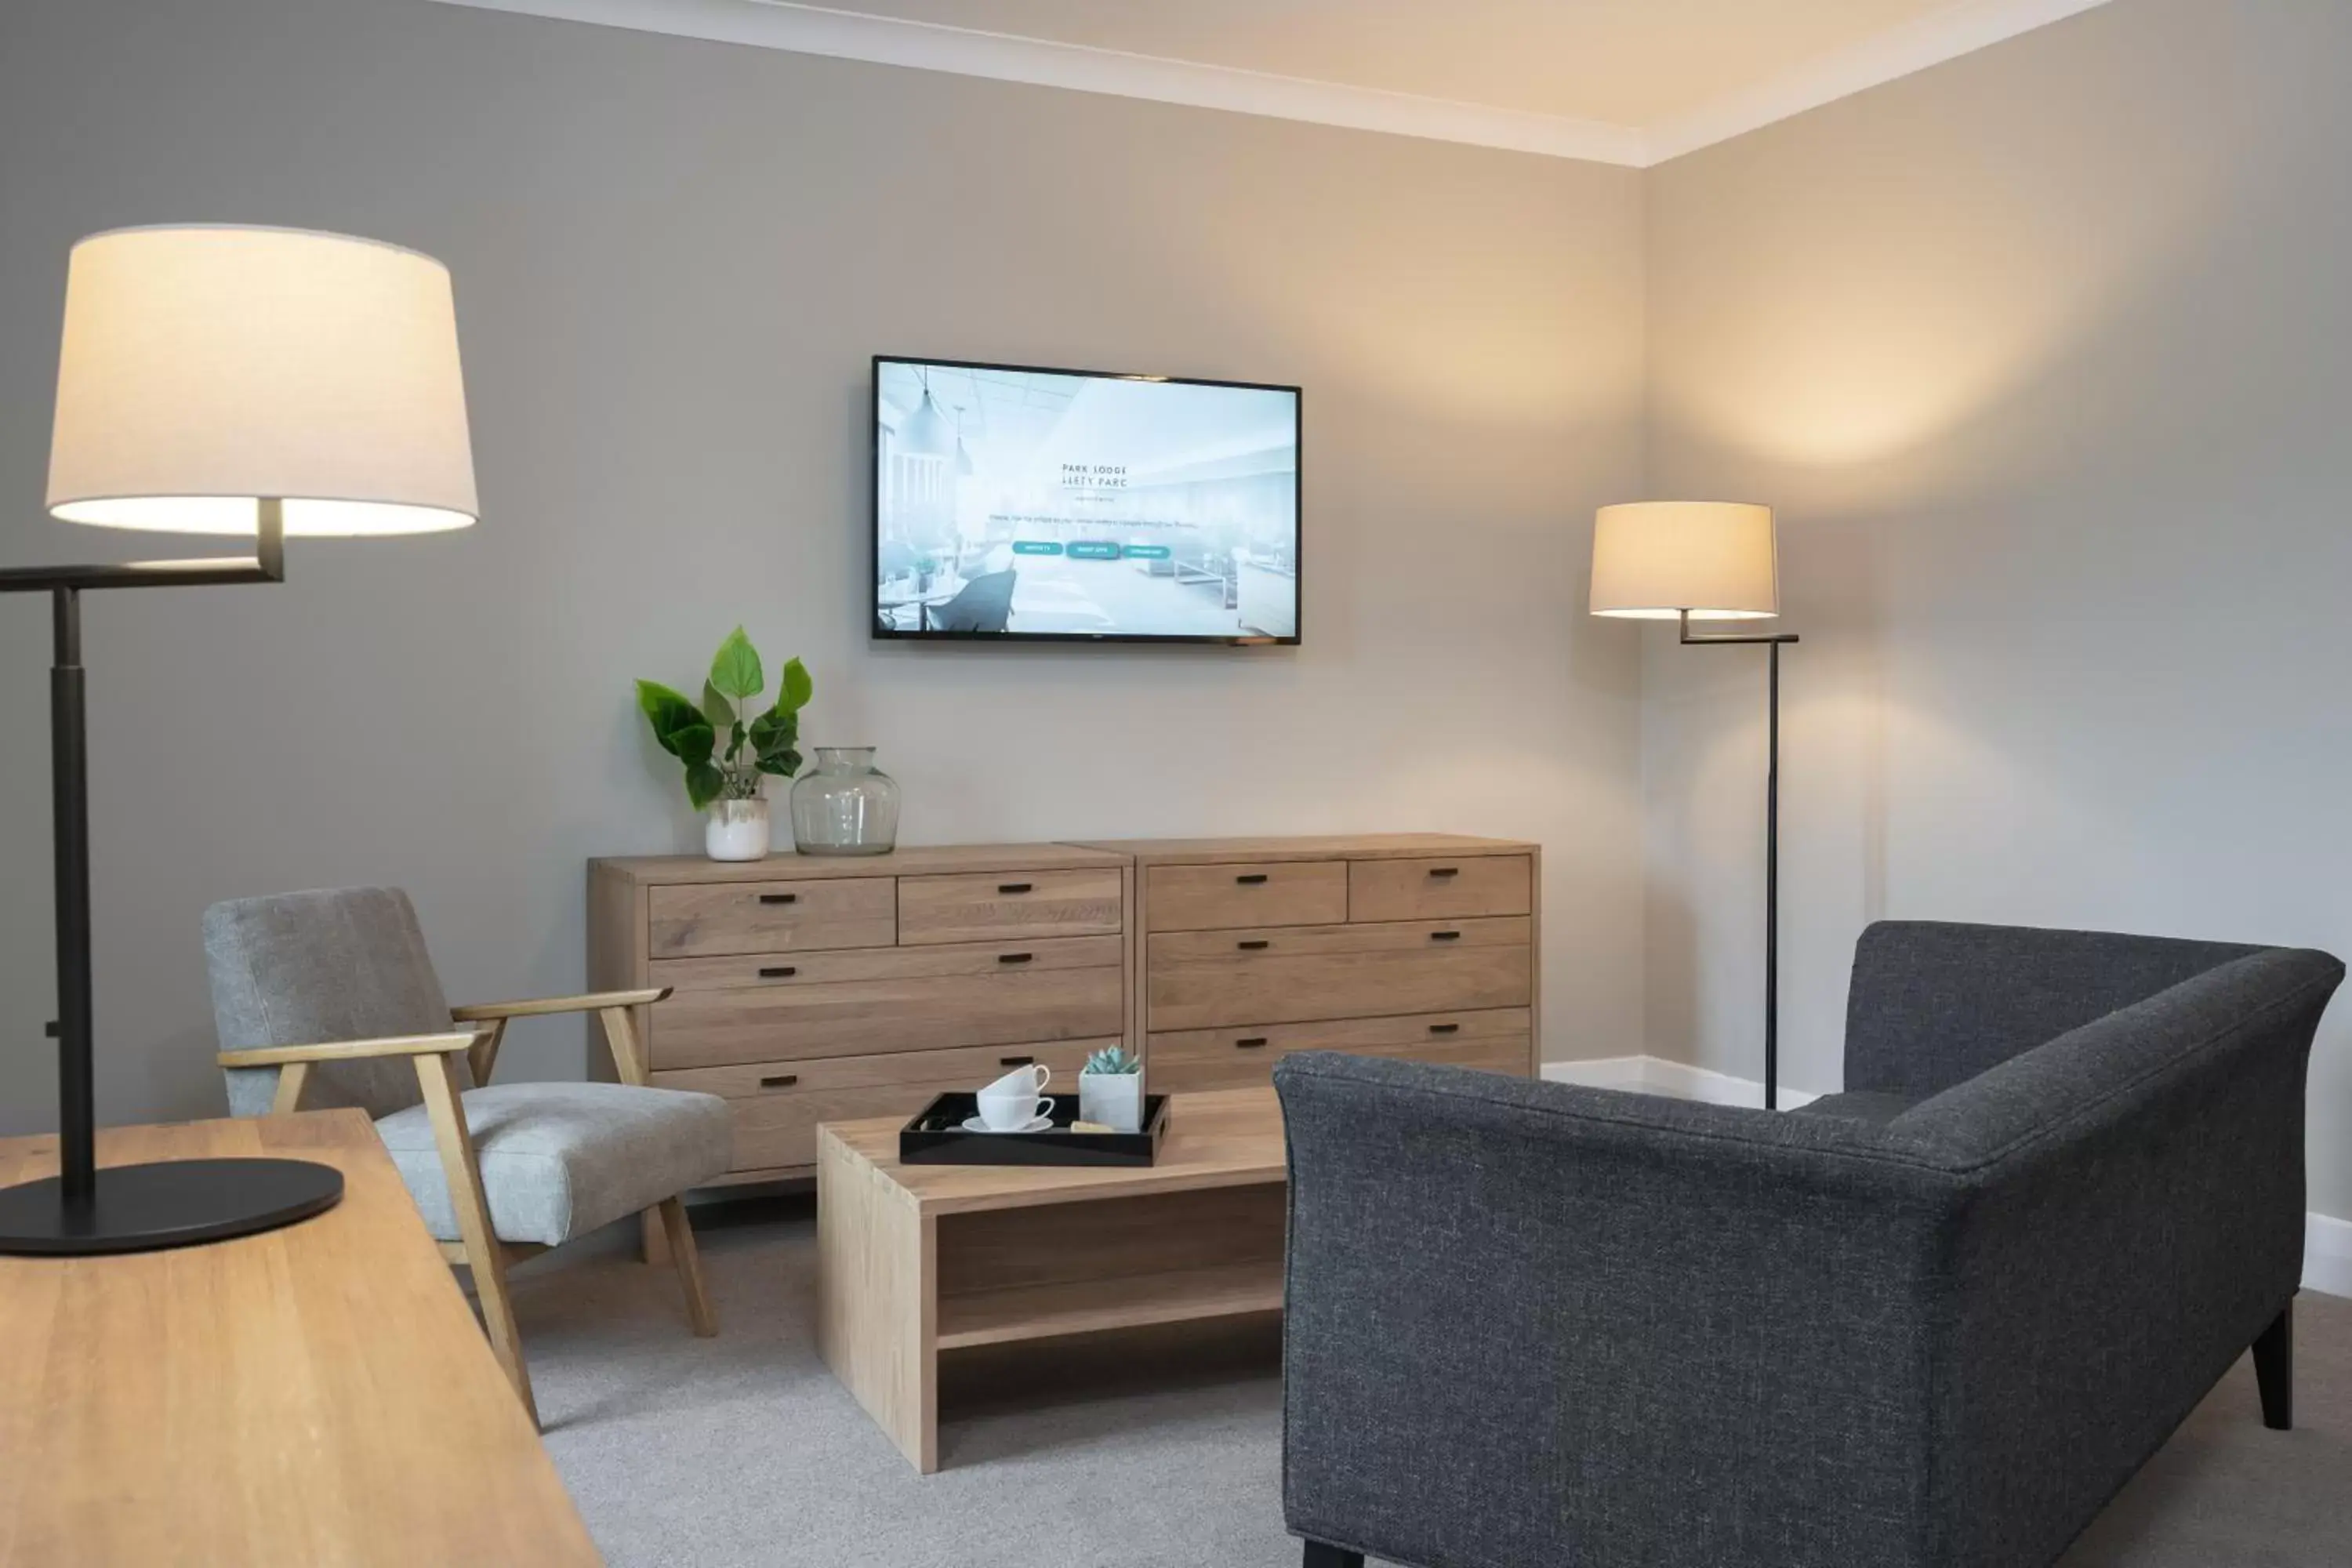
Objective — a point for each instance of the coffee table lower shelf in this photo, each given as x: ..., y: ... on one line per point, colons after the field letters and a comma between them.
x: 1003, y: 1315
x: 915, y: 1262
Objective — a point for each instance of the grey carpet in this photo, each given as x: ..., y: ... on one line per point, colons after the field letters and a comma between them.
x: 1158, y: 1452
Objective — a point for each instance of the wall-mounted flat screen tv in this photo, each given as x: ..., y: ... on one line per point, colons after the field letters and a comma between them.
x: 1020, y: 504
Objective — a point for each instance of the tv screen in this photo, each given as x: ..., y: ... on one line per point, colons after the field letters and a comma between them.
x: 1055, y: 505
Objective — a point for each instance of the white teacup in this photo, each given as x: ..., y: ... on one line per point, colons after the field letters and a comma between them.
x: 1012, y: 1101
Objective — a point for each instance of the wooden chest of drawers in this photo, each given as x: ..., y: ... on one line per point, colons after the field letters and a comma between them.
x: 1417, y: 945
x: 812, y: 990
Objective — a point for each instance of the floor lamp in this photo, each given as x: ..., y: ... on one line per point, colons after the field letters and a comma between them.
x: 1708, y: 561
x: 255, y: 382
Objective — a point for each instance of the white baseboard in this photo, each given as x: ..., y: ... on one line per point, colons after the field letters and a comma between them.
x: 2327, y: 1255
x: 1656, y: 1075
x: 2327, y: 1241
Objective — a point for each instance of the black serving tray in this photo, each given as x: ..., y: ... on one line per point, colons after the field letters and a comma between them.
x: 937, y: 1137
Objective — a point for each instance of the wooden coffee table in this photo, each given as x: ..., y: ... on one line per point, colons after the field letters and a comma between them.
x: 918, y: 1260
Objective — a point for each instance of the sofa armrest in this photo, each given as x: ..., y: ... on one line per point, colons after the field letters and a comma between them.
x: 2135, y: 1219
x: 1530, y: 1322
x: 1933, y: 1005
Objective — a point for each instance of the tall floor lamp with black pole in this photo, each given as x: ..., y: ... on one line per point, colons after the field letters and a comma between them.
x: 217, y: 380
x: 1709, y: 561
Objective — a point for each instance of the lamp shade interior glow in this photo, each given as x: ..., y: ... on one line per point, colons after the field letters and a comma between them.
x: 205, y: 369
x: 1717, y: 561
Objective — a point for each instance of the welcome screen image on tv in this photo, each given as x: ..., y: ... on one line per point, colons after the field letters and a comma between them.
x: 1029, y: 503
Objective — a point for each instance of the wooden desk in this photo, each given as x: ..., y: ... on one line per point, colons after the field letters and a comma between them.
x: 316, y: 1396
x: 918, y: 1261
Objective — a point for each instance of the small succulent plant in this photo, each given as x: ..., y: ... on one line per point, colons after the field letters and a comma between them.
x: 1113, y: 1059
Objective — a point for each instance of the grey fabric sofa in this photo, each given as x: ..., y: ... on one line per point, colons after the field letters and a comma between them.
x: 1935, y: 1321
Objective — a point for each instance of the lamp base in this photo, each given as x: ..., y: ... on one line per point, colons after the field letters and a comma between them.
x: 171, y: 1203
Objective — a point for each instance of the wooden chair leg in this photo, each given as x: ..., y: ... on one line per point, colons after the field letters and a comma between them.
x: 653, y: 1246
x: 689, y: 1267
x: 463, y: 1174
x: 2274, y: 1371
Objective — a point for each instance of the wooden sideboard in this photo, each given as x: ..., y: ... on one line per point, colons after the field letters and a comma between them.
x: 812, y: 989
x: 1414, y: 945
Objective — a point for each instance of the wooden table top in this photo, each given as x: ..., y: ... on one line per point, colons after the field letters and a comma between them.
x: 906, y: 861
x: 319, y: 1394
x: 1324, y: 846
x: 1220, y: 1138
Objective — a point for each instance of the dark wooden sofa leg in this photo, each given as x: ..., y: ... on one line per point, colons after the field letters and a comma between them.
x: 1321, y: 1556
x: 2274, y: 1371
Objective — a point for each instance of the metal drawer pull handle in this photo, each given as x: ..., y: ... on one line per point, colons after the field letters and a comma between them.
x: 1445, y: 870
x: 779, y: 898
x: 1445, y: 1029
x: 1252, y: 880
x: 1253, y: 946
x: 1014, y: 957
x: 1013, y: 886
x: 779, y: 972
x: 781, y: 1080
x: 1446, y: 936
x: 1016, y: 1061
x: 1251, y: 1044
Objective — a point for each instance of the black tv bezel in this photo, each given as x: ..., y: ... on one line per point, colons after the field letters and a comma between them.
x: 875, y: 630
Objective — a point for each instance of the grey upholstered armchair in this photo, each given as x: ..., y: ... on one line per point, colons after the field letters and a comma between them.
x: 330, y: 999
x: 1935, y: 1322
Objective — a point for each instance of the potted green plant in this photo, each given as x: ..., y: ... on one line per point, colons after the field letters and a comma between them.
x: 1110, y: 1089
x: 728, y: 750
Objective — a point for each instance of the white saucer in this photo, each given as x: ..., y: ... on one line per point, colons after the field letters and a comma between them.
x: 1038, y: 1124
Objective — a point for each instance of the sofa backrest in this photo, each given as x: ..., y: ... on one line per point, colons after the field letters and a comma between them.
x: 1933, y: 1003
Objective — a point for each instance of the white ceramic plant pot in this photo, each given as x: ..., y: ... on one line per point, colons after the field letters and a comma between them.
x: 736, y: 829
x: 1113, y: 1098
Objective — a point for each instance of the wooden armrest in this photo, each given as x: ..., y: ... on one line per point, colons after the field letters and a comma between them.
x: 592, y: 1003
x: 353, y: 1051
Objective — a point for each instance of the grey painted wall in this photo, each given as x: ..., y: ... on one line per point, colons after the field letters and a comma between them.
x: 2045, y: 356
x: 672, y: 260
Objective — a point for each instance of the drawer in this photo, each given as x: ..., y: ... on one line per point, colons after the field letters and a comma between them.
x: 762, y: 970
x: 1207, y: 979
x: 1491, y: 1041
x: 1272, y: 893
x: 995, y: 905
x: 778, y: 1105
x: 1440, y: 890
x: 836, y: 1005
x: 771, y: 917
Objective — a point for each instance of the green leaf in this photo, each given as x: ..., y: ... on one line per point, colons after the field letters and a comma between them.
x: 774, y: 733
x: 735, y: 670
x: 704, y: 781
x: 783, y: 763
x: 735, y: 741
x: 668, y: 712
x: 694, y: 744
x: 716, y: 708
x: 794, y: 687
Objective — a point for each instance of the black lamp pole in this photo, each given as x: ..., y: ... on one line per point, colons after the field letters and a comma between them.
x: 1773, y: 644
x: 129, y: 1208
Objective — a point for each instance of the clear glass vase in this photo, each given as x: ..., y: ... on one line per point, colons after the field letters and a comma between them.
x: 847, y: 807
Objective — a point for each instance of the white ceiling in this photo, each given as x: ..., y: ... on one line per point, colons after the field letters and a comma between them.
x: 1626, y: 81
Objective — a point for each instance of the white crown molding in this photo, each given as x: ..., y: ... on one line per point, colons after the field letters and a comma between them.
x: 924, y: 46
x: 1958, y: 29
x: 1940, y: 36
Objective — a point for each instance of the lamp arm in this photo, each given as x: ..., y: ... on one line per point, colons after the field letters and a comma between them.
x: 1732, y: 639
x: 265, y: 564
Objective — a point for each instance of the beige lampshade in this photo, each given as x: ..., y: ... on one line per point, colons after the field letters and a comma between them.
x: 1654, y: 560
x: 207, y: 368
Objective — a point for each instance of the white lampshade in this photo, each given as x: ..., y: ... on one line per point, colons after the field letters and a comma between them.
x: 205, y: 369
x: 1653, y: 561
